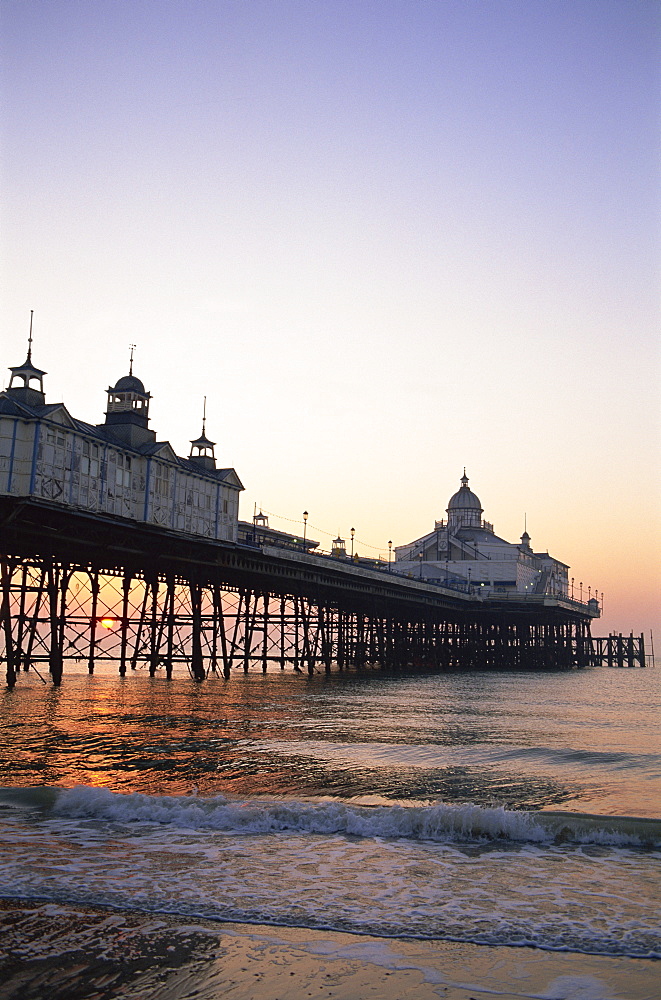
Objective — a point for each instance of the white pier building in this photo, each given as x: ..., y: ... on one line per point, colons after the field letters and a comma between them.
x: 465, y: 549
x: 114, y: 468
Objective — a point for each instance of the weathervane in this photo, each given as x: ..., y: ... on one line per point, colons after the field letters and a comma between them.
x: 30, y: 337
x: 132, y: 346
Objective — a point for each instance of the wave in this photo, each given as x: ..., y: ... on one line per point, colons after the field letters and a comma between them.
x: 439, y: 822
x: 614, y: 759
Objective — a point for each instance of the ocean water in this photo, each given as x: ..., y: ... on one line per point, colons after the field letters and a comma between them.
x: 503, y: 809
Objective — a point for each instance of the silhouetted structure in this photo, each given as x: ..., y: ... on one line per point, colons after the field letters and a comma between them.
x: 114, y: 548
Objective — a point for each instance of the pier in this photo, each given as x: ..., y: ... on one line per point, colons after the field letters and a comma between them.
x: 115, y: 549
x: 98, y: 588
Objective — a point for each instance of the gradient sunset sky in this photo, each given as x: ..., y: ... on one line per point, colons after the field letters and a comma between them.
x: 387, y: 240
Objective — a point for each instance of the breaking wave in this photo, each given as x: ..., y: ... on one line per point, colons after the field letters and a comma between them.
x: 438, y: 822
x: 438, y: 871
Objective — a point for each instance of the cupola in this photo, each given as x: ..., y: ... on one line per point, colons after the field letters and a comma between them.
x: 464, y: 509
x: 339, y: 548
x: 260, y: 520
x: 26, y: 374
x: 201, y: 450
x: 127, y: 413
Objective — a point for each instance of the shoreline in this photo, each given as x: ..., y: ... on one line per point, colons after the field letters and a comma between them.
x: 69, y: 952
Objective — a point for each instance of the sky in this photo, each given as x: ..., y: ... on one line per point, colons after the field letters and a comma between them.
x: 386, y: 240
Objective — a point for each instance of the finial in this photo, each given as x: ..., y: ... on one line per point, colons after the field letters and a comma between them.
x: 30, y: 337
x: 204, y: 418
x: 525, y: 522
x: 132, y: 346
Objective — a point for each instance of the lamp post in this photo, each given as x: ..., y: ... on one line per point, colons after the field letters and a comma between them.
x: 305, y: 525
x: 581, y: 586
x: 572, y: 588
x: 353, y: 532
x: 420, y: 557
x: 389, y: 553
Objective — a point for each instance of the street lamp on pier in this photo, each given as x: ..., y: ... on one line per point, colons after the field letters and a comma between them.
x: 305, y: 525
x: 389, y: 553
x: 353, y: 532
x: 420, y: 557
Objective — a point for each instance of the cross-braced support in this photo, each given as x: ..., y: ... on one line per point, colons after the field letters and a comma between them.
x: 54, y: 611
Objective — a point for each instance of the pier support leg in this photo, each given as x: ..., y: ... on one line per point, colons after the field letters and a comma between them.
x: 152, y: 587
x: 94, y: 584
x: 126, y: 589
x: 169, y: 625
x: 6, y: 624
x: 197, y: 662
x: 56, y: 580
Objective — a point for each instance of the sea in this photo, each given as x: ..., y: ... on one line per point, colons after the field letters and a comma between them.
x: 519, y: 809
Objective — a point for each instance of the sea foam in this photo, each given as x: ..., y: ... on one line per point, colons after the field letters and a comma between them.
x: 438, y: 822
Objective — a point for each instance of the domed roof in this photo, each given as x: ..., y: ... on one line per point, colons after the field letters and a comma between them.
x: 464, y: 499
x: 129, y: 383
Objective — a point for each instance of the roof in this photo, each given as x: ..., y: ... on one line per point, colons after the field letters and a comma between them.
x: 464, y: 499
x: 129, y: 383
x: 13, y: 408
x: 27, y: 366
x: 203, y: 441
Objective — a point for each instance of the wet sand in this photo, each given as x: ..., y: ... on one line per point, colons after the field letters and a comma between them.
x: 64, y: 952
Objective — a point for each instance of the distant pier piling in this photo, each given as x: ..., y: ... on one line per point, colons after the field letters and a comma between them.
x: 617, y: 650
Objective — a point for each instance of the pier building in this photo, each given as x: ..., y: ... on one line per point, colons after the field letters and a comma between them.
x: 258, y: 533
x: 117, y: 467
x: 465, y: 548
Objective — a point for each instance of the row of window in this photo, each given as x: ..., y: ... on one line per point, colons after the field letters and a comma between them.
x: 75, y: 470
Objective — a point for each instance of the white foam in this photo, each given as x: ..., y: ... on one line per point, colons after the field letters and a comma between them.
x: 438, y: 823
x: 391, y: 871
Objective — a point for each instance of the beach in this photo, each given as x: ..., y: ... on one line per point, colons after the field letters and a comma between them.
x: 66, y: 953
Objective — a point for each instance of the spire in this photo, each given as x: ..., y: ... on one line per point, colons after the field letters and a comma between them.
x: 201, y: 451
x: 525, y: 537
x: 132, y: 347
x: 23, y: 375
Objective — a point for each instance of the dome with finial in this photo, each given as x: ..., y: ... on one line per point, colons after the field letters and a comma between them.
x: 127, y: 411
x: 129, y: 383
x: 464, y: 499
